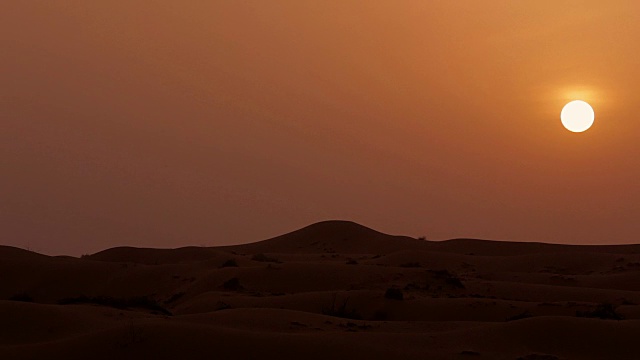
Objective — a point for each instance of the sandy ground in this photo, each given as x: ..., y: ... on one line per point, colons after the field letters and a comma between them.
x: 330, y: 290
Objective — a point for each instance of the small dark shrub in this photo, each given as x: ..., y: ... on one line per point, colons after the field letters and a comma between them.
x: 24, y: 297
x: 229, y: 263
x: 441, y: 274
x: 352, y: 262
x: 341, y: 310
x: 394, y: 294
x: 232, y: 284
x: 415, y: 286
x: 264, y: 258
x: 448, y: 278
x: 455, y: 282
x: 422, y: 238
x: 602, y: 311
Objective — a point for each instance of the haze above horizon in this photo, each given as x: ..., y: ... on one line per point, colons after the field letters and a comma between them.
x: 226, y: 122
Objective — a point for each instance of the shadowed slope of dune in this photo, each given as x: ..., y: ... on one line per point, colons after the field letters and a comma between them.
x: 496, y: 248
x: 333, y: 236
x: 328, y: 236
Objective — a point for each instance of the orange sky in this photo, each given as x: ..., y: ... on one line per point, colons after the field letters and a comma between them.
x: 167, y: 123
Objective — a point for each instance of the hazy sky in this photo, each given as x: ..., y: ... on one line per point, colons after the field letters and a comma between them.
x: 170, y: 123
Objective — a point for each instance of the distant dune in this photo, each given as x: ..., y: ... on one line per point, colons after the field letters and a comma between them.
x: 334, y: 289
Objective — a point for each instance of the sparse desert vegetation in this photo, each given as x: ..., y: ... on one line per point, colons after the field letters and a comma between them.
x: 605, y: 311
x: 264, y: 258
x: 229, y: 263
x: 232, y: 284
x: 394, y: 294
x: 341, y: 309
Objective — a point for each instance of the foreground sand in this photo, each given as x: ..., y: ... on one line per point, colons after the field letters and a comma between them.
x: 331, y: 290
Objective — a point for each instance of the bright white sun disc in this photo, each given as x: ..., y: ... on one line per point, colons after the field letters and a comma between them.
x: 577, y: 116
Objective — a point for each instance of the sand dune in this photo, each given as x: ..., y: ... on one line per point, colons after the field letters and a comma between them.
x: 332, y: 289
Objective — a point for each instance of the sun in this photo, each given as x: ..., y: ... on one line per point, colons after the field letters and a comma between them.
x: 577, y: 116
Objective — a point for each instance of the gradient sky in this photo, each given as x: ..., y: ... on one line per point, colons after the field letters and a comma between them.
x: 170, y: 123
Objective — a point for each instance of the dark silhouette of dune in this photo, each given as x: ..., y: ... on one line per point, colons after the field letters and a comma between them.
x: 331, y: 289
x: 492, y: 247
x: 334, y: 236
x: 155, y: 256
x: 10, y: 253
x: 346, y: 237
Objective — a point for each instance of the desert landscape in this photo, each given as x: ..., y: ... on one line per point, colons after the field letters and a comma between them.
x: 317, y: 180
x: 334, y: 289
